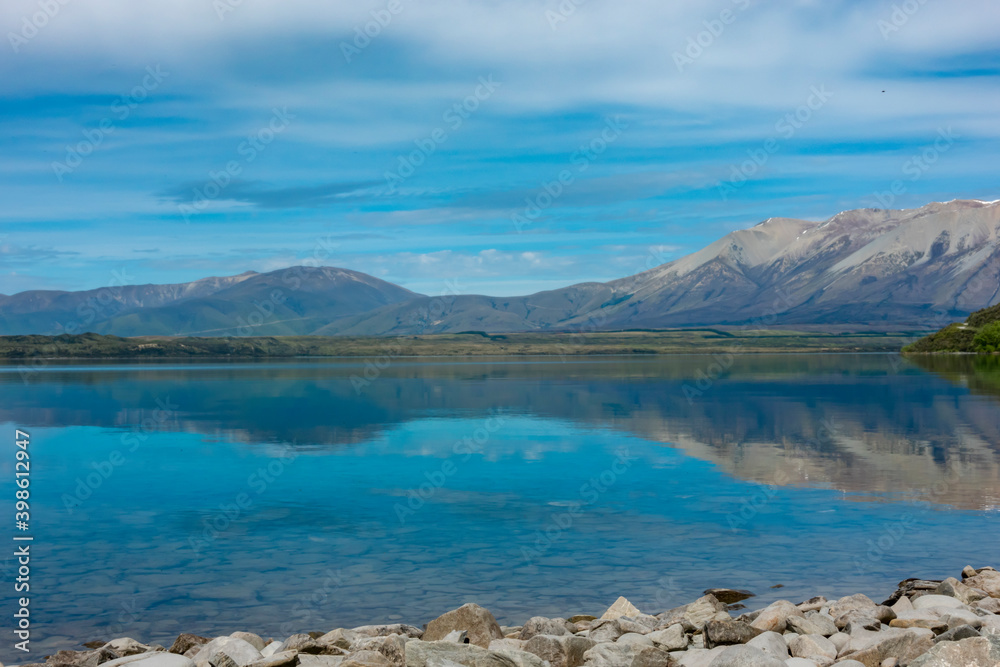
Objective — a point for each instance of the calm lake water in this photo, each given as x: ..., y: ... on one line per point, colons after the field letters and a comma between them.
x: 298, y: 496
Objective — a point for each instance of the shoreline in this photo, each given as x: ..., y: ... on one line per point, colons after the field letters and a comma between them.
x: 924, y: 623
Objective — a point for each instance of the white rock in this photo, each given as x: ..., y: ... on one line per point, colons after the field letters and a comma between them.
x: 848, y: 663
x: 621, y: 607
x: 157, y: 659
x: 928, y: 601
x: 672, y: 639
x: 634, y: 639
x: 239, y: 651
x: 771, y: 643
x: 306, y: 660
x: 270, y: 649
x: 813, y: 647
x: 800, y: 662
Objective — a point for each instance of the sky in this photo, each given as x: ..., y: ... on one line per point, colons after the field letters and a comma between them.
x: 479, y: 146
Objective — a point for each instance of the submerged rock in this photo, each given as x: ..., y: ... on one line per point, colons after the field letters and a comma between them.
x: 729, y: 595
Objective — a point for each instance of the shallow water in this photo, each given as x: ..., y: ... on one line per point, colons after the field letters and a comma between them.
x: 298, y: 496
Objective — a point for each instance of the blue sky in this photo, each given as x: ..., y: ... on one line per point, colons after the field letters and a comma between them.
x: 485, y: 146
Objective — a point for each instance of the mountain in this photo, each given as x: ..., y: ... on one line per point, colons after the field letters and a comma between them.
x: 867, y: 268
x: 289, y: 301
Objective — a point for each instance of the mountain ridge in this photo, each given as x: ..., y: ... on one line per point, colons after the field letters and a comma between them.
x: 870, y: 268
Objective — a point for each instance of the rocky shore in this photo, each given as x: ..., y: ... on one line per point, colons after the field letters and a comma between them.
x: 948, y: 623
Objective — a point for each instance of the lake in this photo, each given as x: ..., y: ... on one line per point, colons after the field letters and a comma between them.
x: 285, y: 497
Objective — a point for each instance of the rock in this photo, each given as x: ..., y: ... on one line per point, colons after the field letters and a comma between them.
x: 991, y: 605
x: 365, y: 659
x: 902, y: 604
x: 800, y: 662
x: 725, y: 633
x: 605, y: 630
x: 703, y: 610
x: 520, y: 658
x: 155, y: 659
x: 621, y: 607
x: 227, y: 652
x: 774, y: 618
x: 890, y: 662
x: 968, y: 571
x: 472, y: 618
x: 928, y: 601
x: 848, y: 663
x: 853, y: 603
x: 972, y: 652
x: 250, y: 638
x: 539, y: 625
x: 634, y: 639
x: 670, y: 639
x: 437, y: 653
x: 729, y: 595
x: 840, y: 641
x: 456, y: 637
x: 906, y: 646
x: 987, y: 581
x: 186, y: 641
x: 860, y: 624
x: 957, y: 634
x: 393, y: 647
x: 813, y: 647
x: 618, y: 655
x: 812, y: 604
x: 560, y: 651
x: 395, y: 629
x: 954, y: 588
x: 745, y: 656
x: 340, y: 638
x: 770, y: 643
x: 957, y: 617
x: 699, y: 657
x: 308, y: 660
x: 920, y: 619
x: 581, y: 617
x: 125, y: 646
x: 641, y: 624
x: 282, y: 659
x: 813, y: 623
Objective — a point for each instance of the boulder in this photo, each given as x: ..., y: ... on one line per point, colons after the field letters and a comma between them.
x: 282, y: 659
x: 813, y: 623
x: 634, y: 639
x: 931, y: 600
x: 972, y: 652
x: 307, y: 660
x: 186, y: 641
x: 957, y: 634
x: 745, y: 656
x: 848, y: 663
x: 393, y: 647
x: 919, y: 618
x: 702, y: 610
x: 621, y: 607
x: 250, y: 638
x: 227, y: 652
x: 154, y: 659
x: 813, y: 647
x: 991, y: 605
x: 670, y: 639
x: 771, y: 643
x: 774, y: 618
x: 539, y: 625
x: 987, y: 581
x: 699, y: 657
x: 436, y: 653
x: 340, y: 638
x: 840, y: 641
x: 605, y: 630
x: 520, y: 658
x: 394, y: 629
x: 125, y: 646
x: 729, y: 595
x: 906, y: 645
x: 619, y: 655
x: 726, y: 633
x: 365, y: 659
x: 633, y: 625
x: 560, y: 651
x: 954, y: 588
x: 472, y: 618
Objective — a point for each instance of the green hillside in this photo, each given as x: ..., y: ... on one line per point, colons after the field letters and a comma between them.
x: 980, y: 333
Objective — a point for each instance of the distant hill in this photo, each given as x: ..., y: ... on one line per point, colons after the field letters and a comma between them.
x: 868, y: 269
x: 285, y: 302
x: 980, y: 333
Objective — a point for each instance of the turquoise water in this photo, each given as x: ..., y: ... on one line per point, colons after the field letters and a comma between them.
x: 282, y: 498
